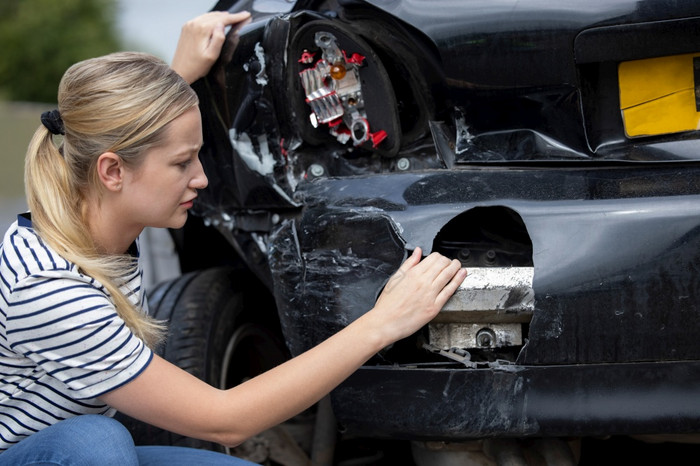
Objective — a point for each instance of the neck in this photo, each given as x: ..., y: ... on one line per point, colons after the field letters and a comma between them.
x: 111, y: 234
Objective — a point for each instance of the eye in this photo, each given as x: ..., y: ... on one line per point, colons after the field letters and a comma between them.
x: 185, y: 164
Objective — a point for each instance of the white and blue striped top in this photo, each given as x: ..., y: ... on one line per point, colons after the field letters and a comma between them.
x: 62, y: 344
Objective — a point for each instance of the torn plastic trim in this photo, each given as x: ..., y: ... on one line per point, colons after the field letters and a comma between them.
x: 528, y: 401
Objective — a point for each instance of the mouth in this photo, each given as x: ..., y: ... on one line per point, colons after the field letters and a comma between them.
x: 188, y: 204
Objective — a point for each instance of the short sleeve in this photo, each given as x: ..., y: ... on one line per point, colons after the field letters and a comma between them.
x: 71, y: 330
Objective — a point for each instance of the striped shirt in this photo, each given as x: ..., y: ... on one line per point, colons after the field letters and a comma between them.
x: 62, y: 344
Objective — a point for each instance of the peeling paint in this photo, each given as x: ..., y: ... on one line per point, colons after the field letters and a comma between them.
x: 262, y: 160
x: 260, y: 77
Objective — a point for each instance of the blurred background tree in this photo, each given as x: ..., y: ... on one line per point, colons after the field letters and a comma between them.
x: 40, y: 39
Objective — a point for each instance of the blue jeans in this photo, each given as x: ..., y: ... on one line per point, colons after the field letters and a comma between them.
x: 91, y: 439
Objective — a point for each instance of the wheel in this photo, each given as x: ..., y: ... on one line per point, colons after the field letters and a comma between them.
x: 217, y: 333
x: 251, y: 350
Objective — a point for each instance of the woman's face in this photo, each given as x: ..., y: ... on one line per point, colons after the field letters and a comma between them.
x: 161, y: 189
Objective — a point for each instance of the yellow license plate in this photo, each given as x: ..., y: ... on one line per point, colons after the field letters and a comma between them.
x: 658, y: 95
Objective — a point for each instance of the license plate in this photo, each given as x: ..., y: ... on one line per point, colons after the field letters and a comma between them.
x: 660, y: 95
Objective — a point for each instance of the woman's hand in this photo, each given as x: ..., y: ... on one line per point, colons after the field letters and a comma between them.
x: 200, y: 43
x: 415, y: 294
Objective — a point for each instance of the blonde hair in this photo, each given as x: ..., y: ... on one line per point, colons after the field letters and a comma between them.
x: 118, y: 103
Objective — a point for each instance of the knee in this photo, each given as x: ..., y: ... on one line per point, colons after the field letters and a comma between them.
x: 97, y: 439
x: 103, y: 428
x: 84, y: 440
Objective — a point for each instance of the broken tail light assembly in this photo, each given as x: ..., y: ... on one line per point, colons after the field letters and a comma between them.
x: 334, y: 92
x: 341, y: 95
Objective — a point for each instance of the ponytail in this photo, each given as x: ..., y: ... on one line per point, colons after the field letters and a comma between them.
x: 135, y: 95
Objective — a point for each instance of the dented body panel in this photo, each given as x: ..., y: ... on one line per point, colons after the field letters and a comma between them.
x: 503, y: 145
x: 614, y: 275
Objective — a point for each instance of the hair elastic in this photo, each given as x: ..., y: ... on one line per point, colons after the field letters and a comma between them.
x: 53, y: 122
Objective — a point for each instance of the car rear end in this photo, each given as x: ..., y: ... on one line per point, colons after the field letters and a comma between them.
x: 552, y: 149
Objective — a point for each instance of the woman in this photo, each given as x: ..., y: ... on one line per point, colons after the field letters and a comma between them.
x: 74, y: 342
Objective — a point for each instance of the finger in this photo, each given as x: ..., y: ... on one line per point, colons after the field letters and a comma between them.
x: 226, y: 18
x: 441, y: 273
x: 218, y: 29
x: 215, y: 20
x: 435, y: 259
x: 447, y: 273
x: 412, y: 260
x: 233, y: 18
x: 433, y: 265
x: 449, y: 289
x: 217, y: 38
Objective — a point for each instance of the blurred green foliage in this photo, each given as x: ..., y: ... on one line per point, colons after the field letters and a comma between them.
x: 40, y: 39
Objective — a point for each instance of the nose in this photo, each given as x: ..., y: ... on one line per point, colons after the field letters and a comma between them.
x: 199, y: 180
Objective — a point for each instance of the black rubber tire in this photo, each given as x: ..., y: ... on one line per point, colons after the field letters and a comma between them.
x: 204, y: 310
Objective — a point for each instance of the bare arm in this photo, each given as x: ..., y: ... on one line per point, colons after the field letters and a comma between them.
x: 200, y: 43
x: 170, y: 398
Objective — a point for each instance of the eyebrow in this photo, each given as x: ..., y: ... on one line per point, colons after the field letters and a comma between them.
x: 187, y: 150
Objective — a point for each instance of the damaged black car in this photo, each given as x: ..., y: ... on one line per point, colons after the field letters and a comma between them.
x: 551, y: 147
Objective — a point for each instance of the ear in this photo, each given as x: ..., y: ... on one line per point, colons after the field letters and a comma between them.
x: 110, y: 171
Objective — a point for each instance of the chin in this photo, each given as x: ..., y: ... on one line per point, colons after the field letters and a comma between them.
x: 177, y: 223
